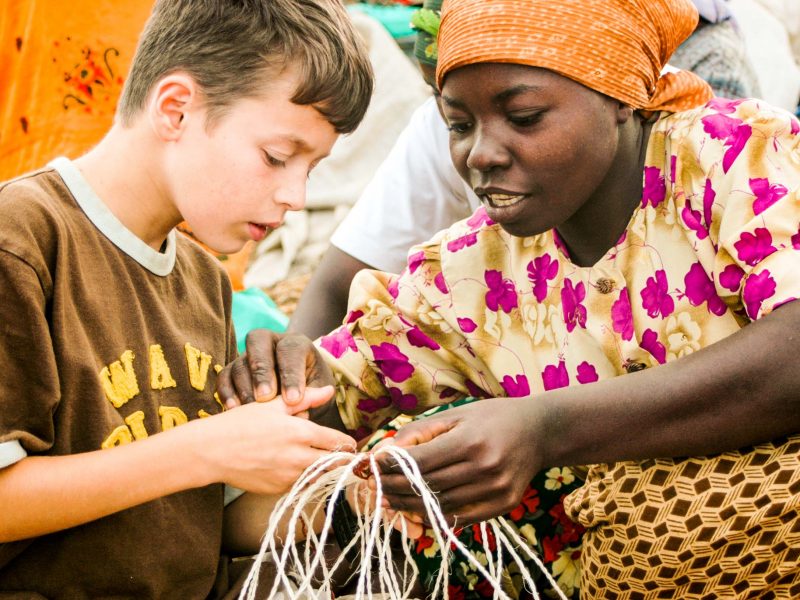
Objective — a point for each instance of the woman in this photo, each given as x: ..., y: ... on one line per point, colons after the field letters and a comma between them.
x: 631, y: 226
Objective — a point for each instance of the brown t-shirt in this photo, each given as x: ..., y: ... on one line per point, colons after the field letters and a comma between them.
x: 106, y: 341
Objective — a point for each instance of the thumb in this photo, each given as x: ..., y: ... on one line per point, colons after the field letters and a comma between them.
x: 312, y: 398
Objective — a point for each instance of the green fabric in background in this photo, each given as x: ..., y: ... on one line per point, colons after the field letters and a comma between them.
x: 395, y: 17
x: 253, y: 309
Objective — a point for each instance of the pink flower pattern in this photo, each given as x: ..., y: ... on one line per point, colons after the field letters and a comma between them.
x: 653, y: 346
x: 757, y: 288
x: 655, y: 296
x: 541, y: 270
x: 754, y: 247
x: 516, y: 387
x: 555, y: 376
x: 766, y: 194
x: 622, y: 315
x: 338, y: 342
x: 587, y: 373
x: 700, y: 289
x: 391, y: 362
x: 502, y: 294
x: 571, y: 298
x: 655, y: 188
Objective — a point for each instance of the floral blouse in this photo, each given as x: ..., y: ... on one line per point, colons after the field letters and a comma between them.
x: 711, y: 247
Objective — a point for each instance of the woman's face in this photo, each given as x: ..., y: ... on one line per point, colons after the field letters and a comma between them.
x: 534, y: 145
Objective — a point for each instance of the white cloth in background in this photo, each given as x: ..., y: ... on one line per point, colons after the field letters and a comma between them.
x: 769, y: 49
x: 334, y: 186
x: 414, y: 193
x: 788, y: 13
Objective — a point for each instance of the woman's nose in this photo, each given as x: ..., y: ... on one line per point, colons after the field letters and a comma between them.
x: 488, y: 152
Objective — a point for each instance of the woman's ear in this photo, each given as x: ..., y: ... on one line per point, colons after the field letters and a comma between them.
x: 624, y: 113
x: 172, y: 100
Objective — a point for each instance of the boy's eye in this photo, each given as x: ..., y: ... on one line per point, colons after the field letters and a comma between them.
x: 272, y: 161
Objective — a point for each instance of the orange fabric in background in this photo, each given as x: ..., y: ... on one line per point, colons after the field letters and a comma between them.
x: 616, y: 47
x: 62, y: 65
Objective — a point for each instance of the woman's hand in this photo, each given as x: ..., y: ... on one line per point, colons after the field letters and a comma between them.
x: 273, y: 363
x: 477, y: 458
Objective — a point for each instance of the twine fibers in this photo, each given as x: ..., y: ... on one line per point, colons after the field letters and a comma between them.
x: 319, y: 487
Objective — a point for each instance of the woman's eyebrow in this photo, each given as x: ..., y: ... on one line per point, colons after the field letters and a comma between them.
x: 516, y: 90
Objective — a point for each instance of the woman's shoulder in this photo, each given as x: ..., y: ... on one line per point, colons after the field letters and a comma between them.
x: 725, y: 120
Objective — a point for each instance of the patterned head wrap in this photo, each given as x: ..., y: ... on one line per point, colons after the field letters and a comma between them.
x: 616, y: 47
x: 426, y: 22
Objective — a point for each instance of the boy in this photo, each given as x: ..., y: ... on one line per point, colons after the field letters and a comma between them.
x: 114, y: 327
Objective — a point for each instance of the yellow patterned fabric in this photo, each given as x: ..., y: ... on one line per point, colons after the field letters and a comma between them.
x: 712, y: 246
x: 616, y: 47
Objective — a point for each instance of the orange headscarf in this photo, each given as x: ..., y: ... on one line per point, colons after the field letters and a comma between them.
x: 616, y: 47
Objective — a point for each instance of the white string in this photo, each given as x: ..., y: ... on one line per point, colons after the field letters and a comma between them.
x: 321, y: 484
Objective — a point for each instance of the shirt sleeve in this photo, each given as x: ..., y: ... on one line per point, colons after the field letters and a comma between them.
x: 414, y: 193
x: 29, y: 388
x: 749, y: 204
x: 400, y: 350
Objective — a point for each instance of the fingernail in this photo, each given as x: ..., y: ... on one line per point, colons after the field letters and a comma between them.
x: 292, y: 395
x: 230, y: 403
x: 263, y: 390
x: 384, y: 503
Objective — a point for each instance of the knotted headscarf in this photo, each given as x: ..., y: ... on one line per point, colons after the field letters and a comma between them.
x: 616, y: 47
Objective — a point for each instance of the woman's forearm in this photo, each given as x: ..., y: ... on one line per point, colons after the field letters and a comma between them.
x: 740, y: 391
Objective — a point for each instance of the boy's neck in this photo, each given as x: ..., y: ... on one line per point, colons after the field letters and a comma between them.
x: 123, y: 170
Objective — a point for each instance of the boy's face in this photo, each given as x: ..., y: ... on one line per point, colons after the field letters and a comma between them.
x: 233, y: 181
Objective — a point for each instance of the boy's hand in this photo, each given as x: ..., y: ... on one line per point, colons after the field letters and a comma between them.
x: 275, y: 362
x: 260, y: 447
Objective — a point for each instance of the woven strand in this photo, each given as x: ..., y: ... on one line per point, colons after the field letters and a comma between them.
x: 320, y: 486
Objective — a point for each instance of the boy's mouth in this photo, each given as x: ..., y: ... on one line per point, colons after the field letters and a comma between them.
x: 258, y: 231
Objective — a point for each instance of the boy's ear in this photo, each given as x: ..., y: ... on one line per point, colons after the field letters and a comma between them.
x: 174, y: 97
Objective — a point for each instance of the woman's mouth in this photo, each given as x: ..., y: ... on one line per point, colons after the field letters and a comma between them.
x: 502, y: 200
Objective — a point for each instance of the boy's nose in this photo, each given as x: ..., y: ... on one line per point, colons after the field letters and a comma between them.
x: 292, y: 195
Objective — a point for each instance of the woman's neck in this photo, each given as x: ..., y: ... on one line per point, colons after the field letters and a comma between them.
x: 599, y: 224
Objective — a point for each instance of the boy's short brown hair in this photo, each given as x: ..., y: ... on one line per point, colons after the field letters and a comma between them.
x: 231, y: 47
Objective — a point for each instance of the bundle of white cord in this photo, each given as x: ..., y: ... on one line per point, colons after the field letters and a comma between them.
x: 321, y: 484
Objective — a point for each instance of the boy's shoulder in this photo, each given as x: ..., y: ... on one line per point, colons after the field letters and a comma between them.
x: 32, y: 207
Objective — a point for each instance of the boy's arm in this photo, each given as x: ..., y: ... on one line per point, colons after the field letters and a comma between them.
x: 258, y: 447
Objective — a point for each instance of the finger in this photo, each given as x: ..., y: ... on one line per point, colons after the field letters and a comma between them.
x: 293, y: 354
x: 316, y: 396
x: 261, y: 363
x: 433, y: 451
x: 411, y: 529
x: 242, y: 382
x: 423, y: 431
x: 325, y: 438
x: 225, y: 390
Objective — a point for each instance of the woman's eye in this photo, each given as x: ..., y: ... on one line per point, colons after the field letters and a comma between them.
x: 525, y: 120
x: 458, y: 128
x: 272, y: 161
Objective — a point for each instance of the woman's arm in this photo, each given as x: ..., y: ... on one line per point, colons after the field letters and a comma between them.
x: 737, y: 392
